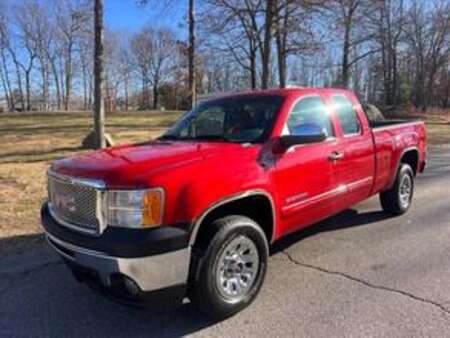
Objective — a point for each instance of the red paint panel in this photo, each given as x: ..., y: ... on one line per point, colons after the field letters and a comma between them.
x: 303, y: 183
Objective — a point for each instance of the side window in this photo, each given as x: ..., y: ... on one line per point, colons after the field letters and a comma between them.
x: 346, y: 114
x: 312, y: 110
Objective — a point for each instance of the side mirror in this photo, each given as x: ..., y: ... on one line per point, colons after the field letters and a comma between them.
x: 304, y: 134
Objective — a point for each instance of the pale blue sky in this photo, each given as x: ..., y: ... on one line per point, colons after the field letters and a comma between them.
x: 128, y: 15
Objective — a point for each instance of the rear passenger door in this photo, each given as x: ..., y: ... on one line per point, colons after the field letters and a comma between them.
x: 355, y: 166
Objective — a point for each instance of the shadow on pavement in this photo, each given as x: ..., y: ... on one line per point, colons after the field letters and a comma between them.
x: 346, y: 219
x: 40, y: 297
x: 47, y: 301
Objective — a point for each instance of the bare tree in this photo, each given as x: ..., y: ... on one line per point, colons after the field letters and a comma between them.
x: 72, y: 18
x: 153, y: 49
x: 37, y: 29
x: 191, y: 47
x: 4, y: 71
x: 234, y: 29
x: 29, y: 46
x: 387, y: 23
x: 428, y: 36
x: 294, y: 33
x: 349, y: 18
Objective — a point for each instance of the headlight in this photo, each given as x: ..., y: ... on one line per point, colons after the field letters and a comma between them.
x: 134, y: 208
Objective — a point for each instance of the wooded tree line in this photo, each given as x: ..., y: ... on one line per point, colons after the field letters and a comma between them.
x: 389, y: 51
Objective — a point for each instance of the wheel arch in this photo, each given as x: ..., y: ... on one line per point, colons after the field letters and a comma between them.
x: 242, y: 204
x: 410, y: 156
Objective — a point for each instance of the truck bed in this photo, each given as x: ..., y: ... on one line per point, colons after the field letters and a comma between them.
x: 392, y: 138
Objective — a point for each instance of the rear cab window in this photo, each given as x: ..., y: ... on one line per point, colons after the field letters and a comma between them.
x: 346, y: 114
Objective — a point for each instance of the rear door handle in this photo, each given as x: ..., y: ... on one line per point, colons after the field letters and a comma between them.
x: 335, y: 156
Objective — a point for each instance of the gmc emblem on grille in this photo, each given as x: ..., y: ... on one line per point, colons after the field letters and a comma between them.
x: 64, y: 202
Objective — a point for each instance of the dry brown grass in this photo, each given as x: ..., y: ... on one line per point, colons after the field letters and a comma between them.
x: 30, y: 142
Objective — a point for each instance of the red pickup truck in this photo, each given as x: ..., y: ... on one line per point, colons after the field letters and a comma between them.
x: 193, y: 213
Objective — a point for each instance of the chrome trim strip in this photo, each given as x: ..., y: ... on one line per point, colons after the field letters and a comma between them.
x: 331, y: 193
x: 318, y: 198
x: 88, y: 182
x: 296, y: 198
x: 150, y: 272
x: 359, y: 183
x: 238, y: 196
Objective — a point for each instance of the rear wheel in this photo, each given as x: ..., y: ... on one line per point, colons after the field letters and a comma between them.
x: 397, y: 200
x: 231, y: 269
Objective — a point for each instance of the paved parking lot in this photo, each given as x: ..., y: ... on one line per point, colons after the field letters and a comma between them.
x: 358, y: 274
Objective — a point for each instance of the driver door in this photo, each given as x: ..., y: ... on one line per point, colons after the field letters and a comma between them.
x: 304, y: 173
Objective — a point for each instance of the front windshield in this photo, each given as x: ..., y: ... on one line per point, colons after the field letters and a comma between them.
x: 242, y: 119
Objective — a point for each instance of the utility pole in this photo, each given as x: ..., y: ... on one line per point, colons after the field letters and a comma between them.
x: 99, y: 108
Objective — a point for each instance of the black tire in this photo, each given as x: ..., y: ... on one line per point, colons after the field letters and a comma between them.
x: 204, y: 288
x: 391, y: 200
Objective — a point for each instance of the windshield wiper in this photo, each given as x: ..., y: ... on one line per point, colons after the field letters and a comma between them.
x: 168, y: 137
x: 209, y: 137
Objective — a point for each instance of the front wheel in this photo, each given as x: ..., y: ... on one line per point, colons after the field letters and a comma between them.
x: 397, y: 200
x: 231, y: 268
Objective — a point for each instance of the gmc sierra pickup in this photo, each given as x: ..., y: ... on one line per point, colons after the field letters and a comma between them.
x: 193, y: 213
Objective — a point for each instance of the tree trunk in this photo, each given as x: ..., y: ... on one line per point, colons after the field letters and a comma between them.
x: 155, y: 95
x: 267, y: 47
x: 394, y: 77
x: 5, y: 89
x: 7, y: 84
x: 143, y: 92
x: 345, y: 55
x: 99, y: 109
x: 281, y: 56
x: 85, y: 93
x: 44, y: 75
x: 125, y: 83
x: 253, y: 67
x: 28, y: 89
x: 68, y: 80
x: 56, y: 78
x: 19, y: 83
x: 281, y: 42
x: 191, y: 54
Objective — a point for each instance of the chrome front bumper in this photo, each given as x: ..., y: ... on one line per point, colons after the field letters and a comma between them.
x: 150, y: 273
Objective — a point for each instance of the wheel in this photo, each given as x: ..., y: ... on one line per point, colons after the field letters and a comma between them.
x: 397, y: 200
x: 231, y: 269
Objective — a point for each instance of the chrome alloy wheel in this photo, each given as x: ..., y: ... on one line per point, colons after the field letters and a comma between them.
x: 405, y: 191
x: 237, y: 269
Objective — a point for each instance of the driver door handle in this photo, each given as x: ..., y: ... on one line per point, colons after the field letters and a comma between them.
x: 336, y: 155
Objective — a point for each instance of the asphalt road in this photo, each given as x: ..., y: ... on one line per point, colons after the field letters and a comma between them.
x: 358, y: 274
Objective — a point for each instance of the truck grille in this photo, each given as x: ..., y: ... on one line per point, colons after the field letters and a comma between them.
x: 73, y: 204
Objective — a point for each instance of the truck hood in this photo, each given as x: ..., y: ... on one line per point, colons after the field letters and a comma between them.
x: 132, y: 165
